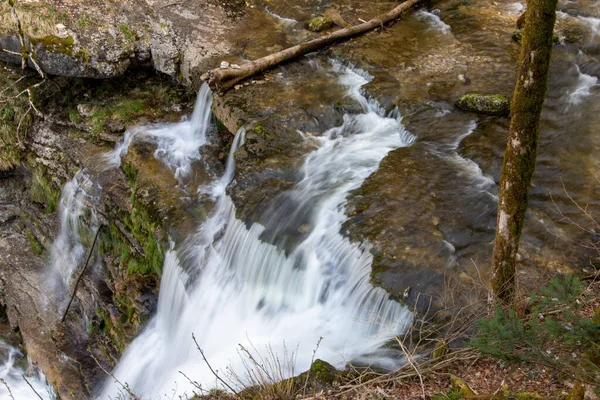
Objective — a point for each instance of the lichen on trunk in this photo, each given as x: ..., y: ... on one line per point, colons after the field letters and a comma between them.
x: 521, y: 148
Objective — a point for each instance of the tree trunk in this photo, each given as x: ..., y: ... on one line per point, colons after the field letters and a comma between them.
x: 521, y: 148
x: 221, y: 80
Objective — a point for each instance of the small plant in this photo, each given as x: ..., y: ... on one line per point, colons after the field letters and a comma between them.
x: 85, y: 21
x: 43, y: 191
x: 34, y: 243
x: 547, y: 334
x: 453, y: 394
x: 127, y: 33
x: 124, y: 110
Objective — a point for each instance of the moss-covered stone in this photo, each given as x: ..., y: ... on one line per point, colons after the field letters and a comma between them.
x: 55, y: 44
x: 491, y: 104
x: 319, y: 24
x: 322, y: 372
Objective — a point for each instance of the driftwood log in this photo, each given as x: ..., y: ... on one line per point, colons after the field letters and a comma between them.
x: 221, y: 80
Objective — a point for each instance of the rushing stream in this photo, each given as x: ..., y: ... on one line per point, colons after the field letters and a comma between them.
x: 249, y: 292
x: 293, y: 283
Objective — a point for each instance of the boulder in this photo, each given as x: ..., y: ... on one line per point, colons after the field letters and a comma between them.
x: 491, y: 104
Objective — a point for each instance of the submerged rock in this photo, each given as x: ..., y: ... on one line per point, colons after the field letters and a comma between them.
x: 319, y: 24
x: 492, y: 104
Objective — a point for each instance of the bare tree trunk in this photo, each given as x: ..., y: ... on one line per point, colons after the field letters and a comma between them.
x: 221, y: 80
x: 521, y: 148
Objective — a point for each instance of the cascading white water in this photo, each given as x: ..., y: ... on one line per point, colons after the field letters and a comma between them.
x: 67, y: 251
x: 239, y: 289
x: 12, y: 374
x: 434, y: 19
x: 470, y: 169
x: 583, y: 88
x: 177, y: 144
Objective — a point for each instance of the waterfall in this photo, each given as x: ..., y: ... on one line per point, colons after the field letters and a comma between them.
x: 78, y: 197
x: 583, y: 88
x: 11, y: 371
x: 177, y: 144
x: 230, y: 286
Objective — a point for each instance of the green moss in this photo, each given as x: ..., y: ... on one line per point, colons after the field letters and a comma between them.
x: 517, y: 36
x: 43, y: 191
x: 55, y: 44
x: 322, y: 372
x: 453, y: 394
x: 572, y: 38
x: 74, y: 116
x: 261, y: 132
x: 124, y: 110
x: 319, y: 24
x: 130, y: 173
x: 34, y: 243
x: 491, y: 104
x: 127, y: 33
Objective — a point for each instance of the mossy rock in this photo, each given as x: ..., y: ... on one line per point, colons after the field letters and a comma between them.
x: 319, y: 24
x: 320, y: 372
x: 491, y: 104
x: 323, y: 372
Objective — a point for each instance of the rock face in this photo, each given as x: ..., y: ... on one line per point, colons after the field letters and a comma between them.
x: 491, y: 104
x: 137, y: 205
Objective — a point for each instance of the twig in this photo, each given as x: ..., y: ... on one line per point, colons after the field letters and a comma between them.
x: 312, y: 360
x: 194, y: 383
x: 211, y: 368
x: 7, y: 388
x: 409, y: 359
x: 13, y: 11
x: 32, y: 388
x: 124, y: 386
x: 81, y: 274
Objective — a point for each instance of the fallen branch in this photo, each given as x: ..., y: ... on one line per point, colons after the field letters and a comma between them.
x: 221, y: 80
x: 81, y: 274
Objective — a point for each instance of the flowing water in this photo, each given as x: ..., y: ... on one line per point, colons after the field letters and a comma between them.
x: 247, y: 292
x: 177, y: 144
x: 67, y: 252
x: 279, y: 286
x: 13, y: 366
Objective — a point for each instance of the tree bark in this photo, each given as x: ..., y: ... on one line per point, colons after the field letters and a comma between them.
x: 521, y: 148
x: 221, y: 80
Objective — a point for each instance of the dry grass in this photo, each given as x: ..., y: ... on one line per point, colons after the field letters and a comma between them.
x: 37, y: 19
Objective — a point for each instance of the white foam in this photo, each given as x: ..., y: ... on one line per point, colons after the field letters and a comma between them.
x: 241, y: 289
